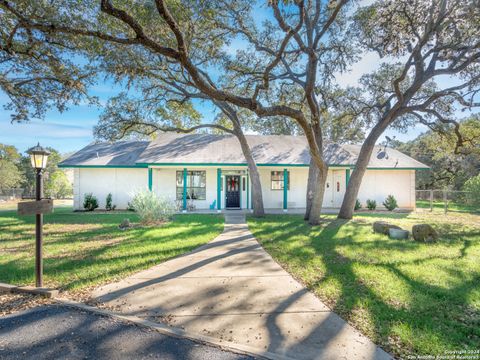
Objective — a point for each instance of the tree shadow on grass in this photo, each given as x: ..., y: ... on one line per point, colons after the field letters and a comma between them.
x: 432, y: 313
x: 114, y: 252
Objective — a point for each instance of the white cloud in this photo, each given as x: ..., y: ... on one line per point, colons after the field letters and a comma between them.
x: 63, y: 137
x: 369, y: 62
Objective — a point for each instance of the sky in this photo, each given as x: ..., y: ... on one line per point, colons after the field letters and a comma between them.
x: 73, y: 129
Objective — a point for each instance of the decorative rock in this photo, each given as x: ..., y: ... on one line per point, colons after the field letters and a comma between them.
x: 383, y: 227
x: 424, y: 233
x: 398, y: 234
x: 125, y: 224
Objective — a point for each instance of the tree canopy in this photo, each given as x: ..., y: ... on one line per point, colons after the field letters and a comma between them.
x: 431, y: 71
x: 16, y: 172
x: 449, y: 168
x: 173, y: 55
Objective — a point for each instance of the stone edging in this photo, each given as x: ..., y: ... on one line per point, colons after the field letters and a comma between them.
x: 48, y: 293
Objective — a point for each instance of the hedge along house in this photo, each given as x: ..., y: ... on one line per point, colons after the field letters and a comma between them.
x: 204, y: 171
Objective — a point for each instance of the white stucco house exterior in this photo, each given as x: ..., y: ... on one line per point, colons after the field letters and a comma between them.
x: 210, y: 172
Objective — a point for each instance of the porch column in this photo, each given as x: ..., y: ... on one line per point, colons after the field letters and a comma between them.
x: 248, y: 191
x: 347, y: 176
x: 219, y: 189
x: 150, y: 179
x: 184, y: 189
x: 285, y: 189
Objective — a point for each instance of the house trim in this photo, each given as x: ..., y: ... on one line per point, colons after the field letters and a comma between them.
x: 146, y: 165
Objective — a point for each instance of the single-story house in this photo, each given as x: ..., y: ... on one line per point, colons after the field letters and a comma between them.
x: 206, y: 171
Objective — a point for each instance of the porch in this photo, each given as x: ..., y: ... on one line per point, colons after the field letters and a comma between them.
x: 270, y: 211
x: 210, y: 189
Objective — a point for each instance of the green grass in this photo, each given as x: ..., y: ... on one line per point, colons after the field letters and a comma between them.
x: 408, y: 297
x: 87, y: 249
x: 452, y: 206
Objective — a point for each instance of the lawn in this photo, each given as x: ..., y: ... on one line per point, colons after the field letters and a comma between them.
x: 87, y: 249
x: 406, y: 296
x: 454, y: 206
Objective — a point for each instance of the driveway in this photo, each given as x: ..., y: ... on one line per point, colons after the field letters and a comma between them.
x: 232, y: 290
x: 57, y: 332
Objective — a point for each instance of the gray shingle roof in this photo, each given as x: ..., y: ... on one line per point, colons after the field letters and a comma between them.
x: 123, y: 153
x: 170, y: 148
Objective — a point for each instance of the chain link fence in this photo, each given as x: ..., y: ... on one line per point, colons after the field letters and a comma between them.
x: 14, y: 194
x: 446, y: 201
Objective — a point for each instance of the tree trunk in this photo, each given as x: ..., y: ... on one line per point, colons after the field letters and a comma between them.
x: 312, y: 179
x: 317, y: 176
x: 257, y: 197
x: 318, y: 193
x: 353, y: 187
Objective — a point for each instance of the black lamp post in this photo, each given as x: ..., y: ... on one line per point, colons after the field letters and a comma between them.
x: 38, y: 157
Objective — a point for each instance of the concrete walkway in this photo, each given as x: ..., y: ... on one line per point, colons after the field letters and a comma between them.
x: 232, y: 290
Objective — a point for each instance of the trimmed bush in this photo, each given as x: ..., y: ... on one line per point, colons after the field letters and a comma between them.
x: 90, y: 202
x: 390, y: 203
x: 472, y: 185
x: 130, y: 206
x: 151, y: 208
x: 371, y: 204
x: 358, y: 205
x: 108, y: 203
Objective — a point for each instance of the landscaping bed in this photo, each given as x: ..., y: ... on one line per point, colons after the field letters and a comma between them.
x: 408, y: 297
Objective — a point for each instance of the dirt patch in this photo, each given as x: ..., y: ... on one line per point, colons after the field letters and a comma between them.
x: 12, y: 303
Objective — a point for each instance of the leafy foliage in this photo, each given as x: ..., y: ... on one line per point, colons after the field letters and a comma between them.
x: 472, y: 185
x: 448, y: 168
x: 180, y: 52
x: 58, y: 186
x: 152, y: 208
x: 9, y: 173
x: 371, y: 204
x: 90, y: 202
x: 358, y: 205
x: 108, y: 203
x: 390, y: 203
x: 419, y: 44
x: 35, y: 74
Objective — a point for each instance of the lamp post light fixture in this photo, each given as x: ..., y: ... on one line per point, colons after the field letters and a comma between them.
x: 39, y: 158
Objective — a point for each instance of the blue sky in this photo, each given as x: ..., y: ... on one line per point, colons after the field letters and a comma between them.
x: 73, y: 129
x: 68, y: 131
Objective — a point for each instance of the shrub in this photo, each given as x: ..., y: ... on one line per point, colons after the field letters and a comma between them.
x: 151, y: 208
x: 108, y: 203
x: 90, y: 202
x: 358, y: 205
x: 57, y: 185
x: 472, y: 185
x: 371, y: 204
x: 130, y: 206
x: 390, y: 203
